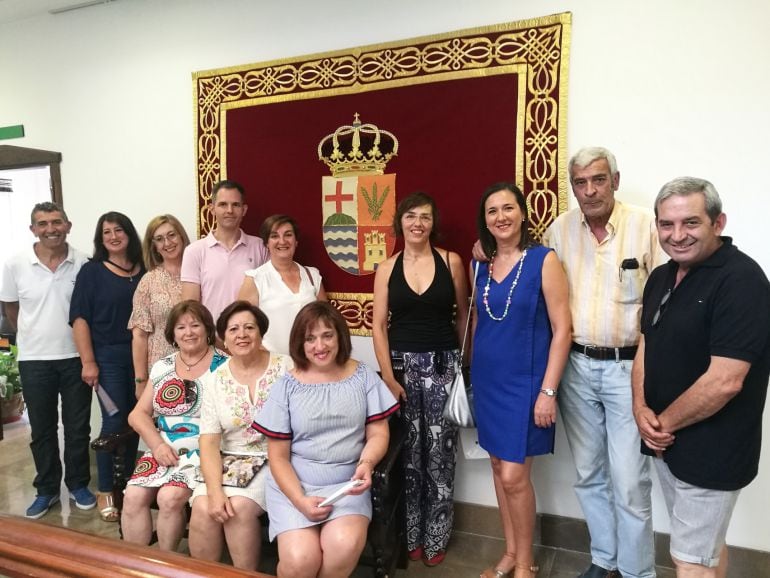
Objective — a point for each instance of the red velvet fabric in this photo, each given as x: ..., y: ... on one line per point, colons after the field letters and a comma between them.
x: 456, y: 137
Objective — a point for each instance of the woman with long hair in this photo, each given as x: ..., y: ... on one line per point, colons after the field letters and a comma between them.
x: 521, y: 340
x: 420, y: 309
x: 99, y: 312
x: 159, y: 290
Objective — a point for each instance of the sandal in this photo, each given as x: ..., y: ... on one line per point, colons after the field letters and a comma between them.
x: 107, y: 510
x: 496, y: 572
x: 532, y: 569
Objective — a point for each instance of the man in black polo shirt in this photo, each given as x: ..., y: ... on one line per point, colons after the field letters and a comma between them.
x: 701, y: 372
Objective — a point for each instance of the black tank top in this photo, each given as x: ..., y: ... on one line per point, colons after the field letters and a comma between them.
x: 421, y: 323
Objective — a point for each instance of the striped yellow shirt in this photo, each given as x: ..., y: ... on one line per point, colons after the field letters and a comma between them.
x: 605, y: 299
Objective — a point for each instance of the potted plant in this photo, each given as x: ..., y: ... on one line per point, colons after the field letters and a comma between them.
x: 10, y: 386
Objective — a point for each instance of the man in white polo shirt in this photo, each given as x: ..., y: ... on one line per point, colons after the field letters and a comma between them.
x: 213, y: 267
x: 36, y: 291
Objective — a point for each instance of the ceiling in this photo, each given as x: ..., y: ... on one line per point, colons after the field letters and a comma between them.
x: 13, y: 10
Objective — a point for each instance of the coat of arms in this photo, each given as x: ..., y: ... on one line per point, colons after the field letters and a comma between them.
x: 358, y: 200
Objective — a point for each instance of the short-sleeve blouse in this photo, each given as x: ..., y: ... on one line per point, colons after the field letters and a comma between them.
x: 104, y: 300
x: 228, y: 410
x: 326, y: 422
x: 155, y: 296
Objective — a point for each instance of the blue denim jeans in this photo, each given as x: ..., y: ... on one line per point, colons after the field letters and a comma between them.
x: 43, y: 382
x: 614, y: 484
x: 116, y: 377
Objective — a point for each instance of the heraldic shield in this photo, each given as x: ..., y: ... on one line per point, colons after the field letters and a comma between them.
x: 357, y: 220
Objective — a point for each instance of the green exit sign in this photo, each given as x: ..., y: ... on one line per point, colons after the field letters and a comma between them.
x: 16, y: 131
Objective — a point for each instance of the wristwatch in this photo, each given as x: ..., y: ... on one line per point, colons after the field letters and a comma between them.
x: 549, y: 392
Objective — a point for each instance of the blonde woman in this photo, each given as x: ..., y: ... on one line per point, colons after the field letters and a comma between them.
x: 159, y: 290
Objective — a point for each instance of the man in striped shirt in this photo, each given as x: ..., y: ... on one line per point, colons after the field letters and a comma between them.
x: 608, y: 250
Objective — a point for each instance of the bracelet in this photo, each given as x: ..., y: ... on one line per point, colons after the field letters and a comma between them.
x: 138, y: 380
x: 366, y: 461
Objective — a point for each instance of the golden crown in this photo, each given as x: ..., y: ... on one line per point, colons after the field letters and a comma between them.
x: 357, y: 149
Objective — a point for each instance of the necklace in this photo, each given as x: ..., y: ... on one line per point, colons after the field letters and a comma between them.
x: 189, y: 366
x: 129, y: 270
x: 510, y: 291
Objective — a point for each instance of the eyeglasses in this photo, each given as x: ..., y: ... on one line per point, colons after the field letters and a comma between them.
x: 170, y: 237
x: 661, y: 308
x: 190, y: 391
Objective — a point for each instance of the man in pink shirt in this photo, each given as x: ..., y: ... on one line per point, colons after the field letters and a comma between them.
x: 213, y: 267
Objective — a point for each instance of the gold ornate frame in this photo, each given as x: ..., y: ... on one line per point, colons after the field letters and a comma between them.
x: 537, y: 50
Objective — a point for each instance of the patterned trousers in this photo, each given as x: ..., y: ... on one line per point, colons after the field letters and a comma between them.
x: 430, y: 449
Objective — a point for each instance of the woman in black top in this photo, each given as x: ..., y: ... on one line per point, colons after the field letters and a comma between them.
x: 99, y: 311
x: 419, y: 288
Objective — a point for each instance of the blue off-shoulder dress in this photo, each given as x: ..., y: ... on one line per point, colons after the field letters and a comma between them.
x: 326, y: 424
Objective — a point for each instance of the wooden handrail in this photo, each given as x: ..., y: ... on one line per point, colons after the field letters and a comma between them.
x: 30, y: 548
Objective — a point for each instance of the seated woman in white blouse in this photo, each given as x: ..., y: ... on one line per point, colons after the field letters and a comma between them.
x: 281, y: 287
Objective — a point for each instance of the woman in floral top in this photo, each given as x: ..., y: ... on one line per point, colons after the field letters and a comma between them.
x: 167, y: 417
x: 238, y: 391
x: 158, y: 291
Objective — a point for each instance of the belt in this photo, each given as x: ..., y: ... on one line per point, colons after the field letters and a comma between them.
x: 605, y: 353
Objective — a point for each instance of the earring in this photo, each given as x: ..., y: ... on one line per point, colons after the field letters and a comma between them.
x: 173, y: 343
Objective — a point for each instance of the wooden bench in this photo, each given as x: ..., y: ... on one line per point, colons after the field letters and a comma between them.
x: 33, y: 548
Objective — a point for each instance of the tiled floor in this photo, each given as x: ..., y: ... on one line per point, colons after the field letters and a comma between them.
x: 467, y: 555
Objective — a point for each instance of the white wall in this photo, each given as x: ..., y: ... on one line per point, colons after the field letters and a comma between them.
x: 672, y: 88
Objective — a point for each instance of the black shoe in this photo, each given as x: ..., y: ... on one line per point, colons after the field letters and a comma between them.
x: 595, y: 571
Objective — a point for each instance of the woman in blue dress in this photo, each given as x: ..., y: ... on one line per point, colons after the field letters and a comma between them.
x: 521, y: 340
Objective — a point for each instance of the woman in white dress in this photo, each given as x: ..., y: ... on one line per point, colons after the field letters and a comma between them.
x: 281, y: 287
x: 237, y: 392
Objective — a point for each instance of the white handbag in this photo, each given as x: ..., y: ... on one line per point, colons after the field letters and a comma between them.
x: 457, y: 409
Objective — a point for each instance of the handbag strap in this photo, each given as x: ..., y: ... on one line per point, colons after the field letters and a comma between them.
x: 470, y: 307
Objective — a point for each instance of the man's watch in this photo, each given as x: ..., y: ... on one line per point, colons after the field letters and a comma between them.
x: 549, y: 392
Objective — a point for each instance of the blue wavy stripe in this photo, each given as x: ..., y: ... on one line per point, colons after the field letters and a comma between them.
x: 345, y: 244
x: 347, y: 256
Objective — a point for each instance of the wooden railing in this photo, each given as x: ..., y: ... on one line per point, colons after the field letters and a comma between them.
x: 29, y: 548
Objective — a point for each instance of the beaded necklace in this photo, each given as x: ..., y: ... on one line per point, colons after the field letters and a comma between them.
x: 510, y: 291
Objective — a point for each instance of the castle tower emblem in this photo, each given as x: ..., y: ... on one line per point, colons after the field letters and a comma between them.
x: 359, y: 199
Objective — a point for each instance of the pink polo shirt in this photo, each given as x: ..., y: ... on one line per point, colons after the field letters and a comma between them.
x: 220, y: 272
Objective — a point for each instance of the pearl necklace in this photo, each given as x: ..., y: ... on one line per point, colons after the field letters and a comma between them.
x: 510, y: 291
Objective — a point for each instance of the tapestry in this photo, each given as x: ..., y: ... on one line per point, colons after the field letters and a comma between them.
x: 467, y: 108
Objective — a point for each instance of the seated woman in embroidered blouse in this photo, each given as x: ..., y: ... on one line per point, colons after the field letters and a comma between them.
x: 326, y: 425
x: 166, y: 473
x: 281, y: 286
x: 234, y: 395
x: 159, y: 290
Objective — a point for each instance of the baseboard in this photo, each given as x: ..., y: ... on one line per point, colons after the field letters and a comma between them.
x: 572, y: 534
